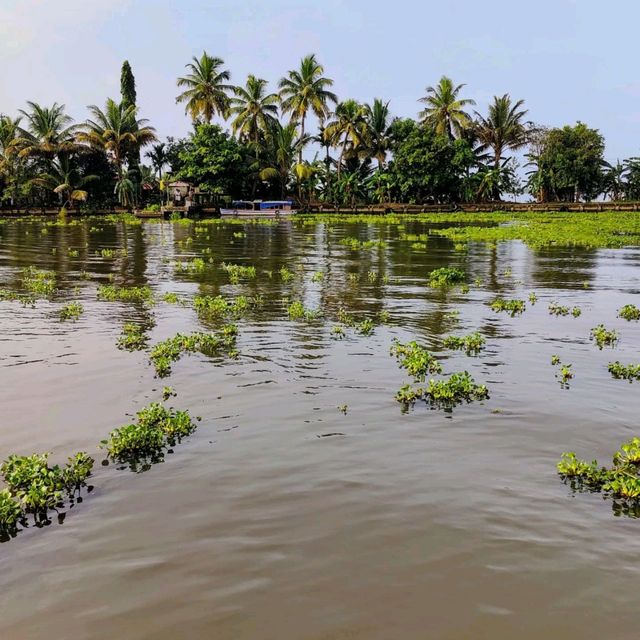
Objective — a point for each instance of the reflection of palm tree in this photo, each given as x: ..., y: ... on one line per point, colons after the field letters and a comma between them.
x: 445, y: 110
x: 306, y: 89
x: 206, y: 92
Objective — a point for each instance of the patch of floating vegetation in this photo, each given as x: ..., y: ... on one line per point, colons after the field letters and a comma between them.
x: 218, y: 307
x: 629, y: 312
x: 354, y: 243
x: 165, y: 353
x: 472, y: 343
x: 604, y: 337
x: 533, y: 298
x: 286, y: 275
x: 621, y: 371
x: 415, y: 359
x: 144, y: 441
x: 512, y: 307
x: 297, y: 311
x: 34, y: 487
x: 197, y: 265
x: 114, y: 293
x: 556, y: 309
x: 39, y: 282
x: 71, y: 311
x: 172, y: 298
x: 621, y: 481
x: 446, y: 277
x: 444, y: 394
x: 133, y: 337
x: 239, y: 272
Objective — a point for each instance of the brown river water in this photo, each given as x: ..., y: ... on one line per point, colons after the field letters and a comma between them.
x: 283, y: 518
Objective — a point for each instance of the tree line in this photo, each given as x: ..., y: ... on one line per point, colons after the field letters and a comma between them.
x: 301, y: 141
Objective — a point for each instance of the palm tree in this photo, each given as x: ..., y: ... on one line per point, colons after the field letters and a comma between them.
x: 504, y: 127
x: 348, y: 129
x: 47, y: 131
x: 445, y: 110
x: 63, y: 179
x: 158, y: 157
x: 378, y: 138
x: 284, y: 144
x: 206, y: 92
x: 12, y: 167
x: 255, y: 110
x: 114, y: 130
x: 306, y: 89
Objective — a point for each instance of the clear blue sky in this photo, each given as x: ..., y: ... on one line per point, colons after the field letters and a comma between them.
x: 569, y: 59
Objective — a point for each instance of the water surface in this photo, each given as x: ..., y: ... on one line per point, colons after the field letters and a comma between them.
x: 283, y: 518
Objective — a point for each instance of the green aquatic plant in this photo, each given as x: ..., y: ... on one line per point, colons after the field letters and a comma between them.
x: 155, y: 429
x: 238, y: 271
x: 337, y: 331
x: 417, y: 361
x: 558, y: 310
x: 71, y: 311
x: 576, y: 312
x: 168, y: 392
x: 513, y: 307
x: 621, y: 371
x: 10, y: 511
x: 39, y: 282
x: 604, y: 337
x: 219, y: 307
x: 446, y: 277
x: 172, y: 298
x: 533, y: 298
x: 196, y: 265
x: 297, y: 311
x: 318, y: 276
x: 589, y: 474
x: 343, y: 409
x: 286, y: 275
x: 133, y: 337
x: 629, y: 312
x: 444, y: 394
x: 38, y: 486
x: 114, y: 293
x: 165, y: 353
x: 472, y: 343
x: 565, y: 374
x: 366, y: 327
x: 555, y: 359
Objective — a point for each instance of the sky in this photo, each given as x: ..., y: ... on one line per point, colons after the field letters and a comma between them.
x: 568, y: 59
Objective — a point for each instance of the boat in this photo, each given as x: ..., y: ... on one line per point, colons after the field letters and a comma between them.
x: 258, y: 209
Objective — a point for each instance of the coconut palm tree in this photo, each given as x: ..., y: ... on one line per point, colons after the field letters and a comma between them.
x: 255, y: 110
x: 378, y: 137
x: 206, y: 92
x: 284, y: 143
x: 113, y: 130
x: 48, y: 131
x: 504, y: 127
x: 13, y: 168
x: 64, y: 180
x: 158, y: 157
x: 347, y: 130
x: 306, y: 89
x: 445, y: 109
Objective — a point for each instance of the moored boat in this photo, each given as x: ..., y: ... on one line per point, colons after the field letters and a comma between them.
x: 258, y: 209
